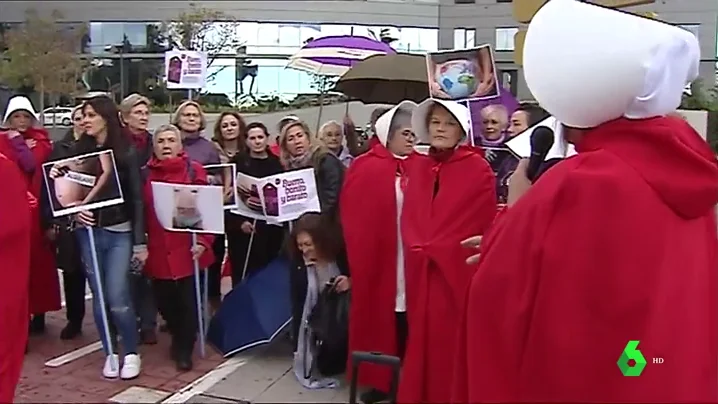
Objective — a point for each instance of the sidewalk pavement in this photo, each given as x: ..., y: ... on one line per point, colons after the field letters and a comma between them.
x: 268, y: 378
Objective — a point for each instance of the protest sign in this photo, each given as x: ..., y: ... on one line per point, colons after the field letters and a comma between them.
x: 503, y: 163
x: 224, y: 175
x: 521, y: 143
x: 277, y: 198
x: 84, y: 182
x: 185, y: 70
x: 189, y: 208
x: 462, y: 74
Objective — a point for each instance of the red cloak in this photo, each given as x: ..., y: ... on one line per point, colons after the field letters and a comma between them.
x: 618, y: 243
x: 44, y: 283
x: 447, y: 200
x: 15, y: 259
x: 369, y: 220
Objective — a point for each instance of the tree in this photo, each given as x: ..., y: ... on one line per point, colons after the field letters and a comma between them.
x: 322, y: 84
x: 205, y: 30
x: 41, y: 54
x: 704, y: 98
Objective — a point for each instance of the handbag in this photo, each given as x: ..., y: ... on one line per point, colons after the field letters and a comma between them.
x: 329, y: 336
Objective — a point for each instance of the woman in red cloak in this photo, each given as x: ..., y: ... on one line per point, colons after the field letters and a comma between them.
x: 44, y: 284
x: 451, y: 195
x: 606, y: 266
x: 15, y: 258
x: 370, y: 206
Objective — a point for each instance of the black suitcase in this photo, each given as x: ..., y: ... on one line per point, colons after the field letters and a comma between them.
x: 380, y: 359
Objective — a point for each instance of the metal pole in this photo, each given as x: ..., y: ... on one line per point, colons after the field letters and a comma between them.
x: 101, y: 297
x: 200, y: 304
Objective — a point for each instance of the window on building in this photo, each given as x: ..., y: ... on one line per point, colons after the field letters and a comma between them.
x: 464, y: 38
x: 136, y: 36
x: 505, y: 39
x: 509, y: 80
x: 464, y: 1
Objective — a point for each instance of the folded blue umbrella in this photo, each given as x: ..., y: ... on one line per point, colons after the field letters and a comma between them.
x: 254, y: 312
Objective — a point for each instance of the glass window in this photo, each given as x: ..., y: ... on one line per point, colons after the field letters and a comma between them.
x: 137, y: 36
x: 464, y: 38
x: 271, y: 78
x: 505, y: 39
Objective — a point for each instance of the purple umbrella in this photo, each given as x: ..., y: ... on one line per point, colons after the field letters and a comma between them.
x: 335, y: 55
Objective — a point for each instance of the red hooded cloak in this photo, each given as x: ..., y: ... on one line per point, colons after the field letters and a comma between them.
x: 618, y: 243
x: 15, y: 205
x: 44, y: 284
x: 369, y: 220
x: 448, y: 199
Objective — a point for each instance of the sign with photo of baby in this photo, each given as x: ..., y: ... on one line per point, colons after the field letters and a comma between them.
x: 277, y: 198
x: 189, y: 208
x: 224, y: 175
x: 83, y: 182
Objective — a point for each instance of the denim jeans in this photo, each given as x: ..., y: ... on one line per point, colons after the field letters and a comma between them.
x: 114, y: 250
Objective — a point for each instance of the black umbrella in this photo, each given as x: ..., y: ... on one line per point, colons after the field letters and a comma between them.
x: 386, y: 79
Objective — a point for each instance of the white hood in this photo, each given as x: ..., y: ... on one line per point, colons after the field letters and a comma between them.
x: 19, y: 103
x: 383, y: 124
x: 587, y: 64
x: 418, y: 118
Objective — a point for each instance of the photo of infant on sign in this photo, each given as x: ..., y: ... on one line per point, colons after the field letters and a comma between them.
x: 189, y: 208
x: 465, y: 74
x: 83, y: 182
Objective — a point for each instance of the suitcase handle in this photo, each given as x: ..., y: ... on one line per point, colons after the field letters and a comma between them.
x: 378, y: 358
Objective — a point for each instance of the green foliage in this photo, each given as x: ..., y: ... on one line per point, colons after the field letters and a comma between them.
x: 704, y: 98
x: 322, y: 84
x: 701, y: 97
x: 41, y: 55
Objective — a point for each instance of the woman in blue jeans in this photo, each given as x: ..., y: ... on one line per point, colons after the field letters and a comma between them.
x: 119, y: 233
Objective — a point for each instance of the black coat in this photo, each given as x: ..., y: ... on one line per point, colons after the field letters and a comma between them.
x: 67, y: 249
x: 129, y: 172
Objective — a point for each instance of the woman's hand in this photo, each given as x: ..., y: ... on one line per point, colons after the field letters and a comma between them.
x: 197, y: 251
x: 30, y: 143
x: 247, y: 227
x: 473, y: 243
x: 140, y: 256
x: 342, y: 283
x: 11, y: 134
x: 85, y: 218
x: 436, y: 90
x: 55, y: 172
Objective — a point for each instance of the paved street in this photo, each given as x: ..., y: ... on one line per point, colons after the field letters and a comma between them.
x: 58, y: 371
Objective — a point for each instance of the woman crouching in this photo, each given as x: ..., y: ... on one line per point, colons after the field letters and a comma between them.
x: 171, y: 254
x: 315, y: 360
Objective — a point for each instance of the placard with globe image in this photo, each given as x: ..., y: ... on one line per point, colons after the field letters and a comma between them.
x: 463, y: 74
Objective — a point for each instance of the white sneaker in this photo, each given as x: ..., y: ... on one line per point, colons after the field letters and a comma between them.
x: 111, y: 370
x: 131, y: 367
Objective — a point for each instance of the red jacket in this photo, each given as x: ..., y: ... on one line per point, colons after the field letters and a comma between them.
x: 615, y: 244
x: 15, y: 219
x: 369, y: 221
x: 170, y: 255
x: 450, y: 197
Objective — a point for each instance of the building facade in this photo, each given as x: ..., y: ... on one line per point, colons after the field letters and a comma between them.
x: 123, y: 34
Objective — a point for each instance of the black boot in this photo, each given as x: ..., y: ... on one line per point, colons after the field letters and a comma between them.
x: 183, y: 360
x: 71, y: 331
x: 37, y: 324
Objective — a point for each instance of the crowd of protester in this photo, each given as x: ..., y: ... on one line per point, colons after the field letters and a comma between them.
x: 395, y: 240
x: 356, y: 242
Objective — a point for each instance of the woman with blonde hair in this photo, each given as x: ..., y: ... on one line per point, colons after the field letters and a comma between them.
x: 191, y: 121
x: 299, y: 150
x: 332, y: 134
